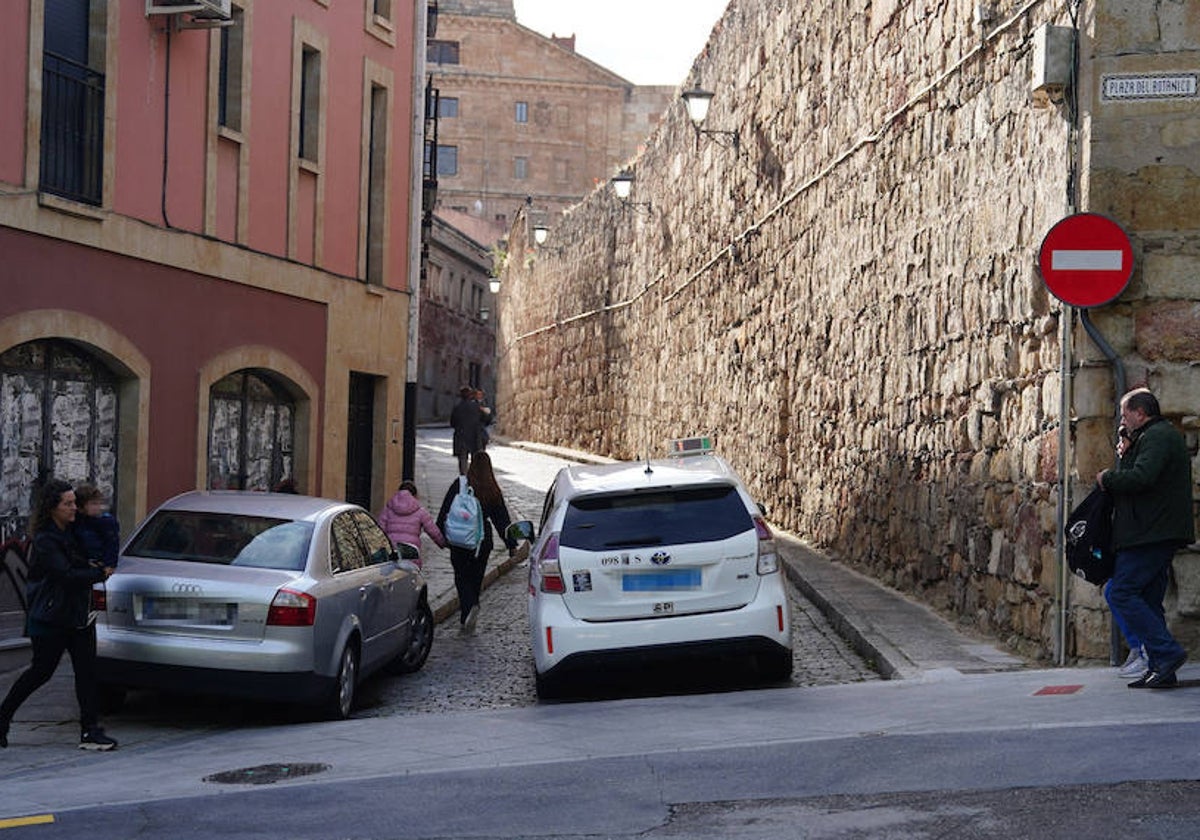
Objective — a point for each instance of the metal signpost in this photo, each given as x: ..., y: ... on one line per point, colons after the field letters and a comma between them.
x: 1086, y: 260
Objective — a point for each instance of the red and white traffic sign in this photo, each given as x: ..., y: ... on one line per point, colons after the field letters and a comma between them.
x: 1086, y: 260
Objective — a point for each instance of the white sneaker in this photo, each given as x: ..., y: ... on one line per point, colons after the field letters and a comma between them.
x: 472, y: 617
x: 1135, y: 665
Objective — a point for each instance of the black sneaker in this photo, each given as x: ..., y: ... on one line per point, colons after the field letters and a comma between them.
x: 95, y: 739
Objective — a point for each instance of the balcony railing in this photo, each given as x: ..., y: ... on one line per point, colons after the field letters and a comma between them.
x: 72, y: 130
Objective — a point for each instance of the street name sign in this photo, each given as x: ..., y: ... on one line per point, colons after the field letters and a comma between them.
x: 1086, y: 260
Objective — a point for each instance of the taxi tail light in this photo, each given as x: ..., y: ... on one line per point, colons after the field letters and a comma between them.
x: 99, y: 599
x: 768, y: 559
x: 549, y: 569
x: 292, y: 609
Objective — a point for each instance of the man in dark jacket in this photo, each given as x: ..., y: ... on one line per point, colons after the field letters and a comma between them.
x: 1152, y: 518
x: 466, y: 418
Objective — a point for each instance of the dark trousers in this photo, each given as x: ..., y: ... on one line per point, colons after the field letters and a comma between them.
x: 1138, y: 587
x: 469, y: 569
x: 47, y: 653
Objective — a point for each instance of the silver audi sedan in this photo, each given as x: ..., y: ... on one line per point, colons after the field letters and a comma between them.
x: 260, y: 595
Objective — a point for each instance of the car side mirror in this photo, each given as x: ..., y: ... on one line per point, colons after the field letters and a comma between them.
x: 522, y: 530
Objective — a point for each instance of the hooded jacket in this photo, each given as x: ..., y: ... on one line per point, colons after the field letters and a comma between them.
x: 403, y: 518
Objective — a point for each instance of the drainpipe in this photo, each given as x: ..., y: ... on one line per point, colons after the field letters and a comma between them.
x: 415, y: 194
x: 1119, y: 384
x: 1066, y: 320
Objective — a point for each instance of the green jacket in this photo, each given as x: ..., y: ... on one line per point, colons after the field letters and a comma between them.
x: 1152, y: 489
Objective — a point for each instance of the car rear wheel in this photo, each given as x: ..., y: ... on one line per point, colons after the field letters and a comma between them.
x: 776, y: 666
x: 341, y: 700
x: 548, y: 687
x: 420, y: 642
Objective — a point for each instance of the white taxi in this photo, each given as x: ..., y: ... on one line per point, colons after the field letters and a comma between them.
x: 651, y: 561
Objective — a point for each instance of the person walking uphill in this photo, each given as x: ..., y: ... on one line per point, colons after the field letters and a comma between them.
x: 60, y: 591
x: 470, y: 566
x: 404, y: 518
x: 467, y: 419
x: 1151, y: 488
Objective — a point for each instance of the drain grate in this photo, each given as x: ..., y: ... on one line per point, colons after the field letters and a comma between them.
x: 265, y: 774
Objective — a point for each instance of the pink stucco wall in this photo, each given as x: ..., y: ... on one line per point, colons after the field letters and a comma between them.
x: 14, y: 80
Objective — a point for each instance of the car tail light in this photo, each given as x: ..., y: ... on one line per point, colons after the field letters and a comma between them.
x: 292, y: 609
x: 548, y: 568
x: 99, y: 599
x: 768, y: 560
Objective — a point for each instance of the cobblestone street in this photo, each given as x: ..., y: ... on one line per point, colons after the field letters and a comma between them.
x: 493, y: 668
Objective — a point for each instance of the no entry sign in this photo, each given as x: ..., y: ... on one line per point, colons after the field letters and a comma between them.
x: 1086, y: 260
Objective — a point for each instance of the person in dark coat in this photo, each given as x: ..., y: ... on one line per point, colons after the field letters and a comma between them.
x: 60, y: 591
x: 469, y: 567
x: 466, y: 418
x: 1152, y: 518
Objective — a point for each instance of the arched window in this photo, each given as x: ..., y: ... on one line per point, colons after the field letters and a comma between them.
x: 251, y: 432
x: 58, y: 417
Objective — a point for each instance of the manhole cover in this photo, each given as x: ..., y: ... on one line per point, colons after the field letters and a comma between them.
x: 265, y: 774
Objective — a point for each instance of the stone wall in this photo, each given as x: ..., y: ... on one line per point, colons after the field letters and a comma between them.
x: 849, y: 302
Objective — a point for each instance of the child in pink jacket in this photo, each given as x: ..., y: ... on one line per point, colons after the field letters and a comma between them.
x: 403, y: 518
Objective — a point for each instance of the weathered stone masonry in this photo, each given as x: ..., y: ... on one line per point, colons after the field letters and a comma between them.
x: 850, y: 304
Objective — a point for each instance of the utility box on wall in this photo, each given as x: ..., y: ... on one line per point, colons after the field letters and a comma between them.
x: 1053, y: 48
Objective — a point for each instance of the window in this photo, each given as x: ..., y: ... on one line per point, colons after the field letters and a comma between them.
x: 521, y: 168
x: 251, y: 432
x: 667, y: 517
x: 72, y: 161
x: 229, y: 83
x: 447, y: 160
x: 382, y: 9
x: 522, y: 112
x: 376, y: 208
x: 59, y: 411
x: 310, y: 103
x: 448, y: 106
x: 443, y: 52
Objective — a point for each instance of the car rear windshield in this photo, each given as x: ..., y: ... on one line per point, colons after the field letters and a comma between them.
x: 228, y: 539
x: 667, y: 517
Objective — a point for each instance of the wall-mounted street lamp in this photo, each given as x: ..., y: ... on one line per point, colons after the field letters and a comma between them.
x: 622, y: 184
x: 697, y: 101
x: 494, y: 285
x: 484, y: 314
x: 540, y: 234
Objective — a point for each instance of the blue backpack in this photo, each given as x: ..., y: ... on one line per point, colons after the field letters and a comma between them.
x: 464, y: 521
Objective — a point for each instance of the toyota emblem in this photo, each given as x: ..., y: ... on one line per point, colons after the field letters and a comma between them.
x: 660, y: 558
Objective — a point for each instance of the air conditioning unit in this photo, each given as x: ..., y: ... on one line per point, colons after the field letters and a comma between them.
x: 199, y: 10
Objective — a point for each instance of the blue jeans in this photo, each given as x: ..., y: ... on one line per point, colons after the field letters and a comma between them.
x: 1136, y: 593
x: 1128, y: 635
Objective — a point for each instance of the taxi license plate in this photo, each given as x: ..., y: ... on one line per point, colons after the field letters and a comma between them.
x: 673, y: 580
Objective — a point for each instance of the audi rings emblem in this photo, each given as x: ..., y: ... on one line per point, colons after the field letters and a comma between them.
x: 660, y: 558
x: 186, y: 589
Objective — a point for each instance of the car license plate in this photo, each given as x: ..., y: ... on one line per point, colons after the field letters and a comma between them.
x: 673, y: 580
x: 186, y: 609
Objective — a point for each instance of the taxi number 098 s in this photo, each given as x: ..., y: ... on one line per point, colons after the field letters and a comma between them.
x: 664, y: 607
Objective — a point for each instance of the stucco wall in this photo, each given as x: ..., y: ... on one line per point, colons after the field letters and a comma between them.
x: 850, y: 303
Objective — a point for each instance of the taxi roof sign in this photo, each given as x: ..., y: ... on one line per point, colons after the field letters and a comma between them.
x: 699, y: 445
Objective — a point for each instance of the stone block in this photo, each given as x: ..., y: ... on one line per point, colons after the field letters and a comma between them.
x: 1187, y: 580
x: 1169, y: 331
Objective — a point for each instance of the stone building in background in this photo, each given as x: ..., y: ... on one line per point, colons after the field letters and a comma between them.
x: 522, y: 115
x: 849, y: 301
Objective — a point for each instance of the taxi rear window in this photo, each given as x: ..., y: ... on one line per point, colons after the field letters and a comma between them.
x: 668, y: 517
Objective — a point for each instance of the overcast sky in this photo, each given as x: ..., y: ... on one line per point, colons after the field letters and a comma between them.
x: 649, y: 42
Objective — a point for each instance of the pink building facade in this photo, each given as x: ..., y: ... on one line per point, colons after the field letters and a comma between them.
x: 207, y: 239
